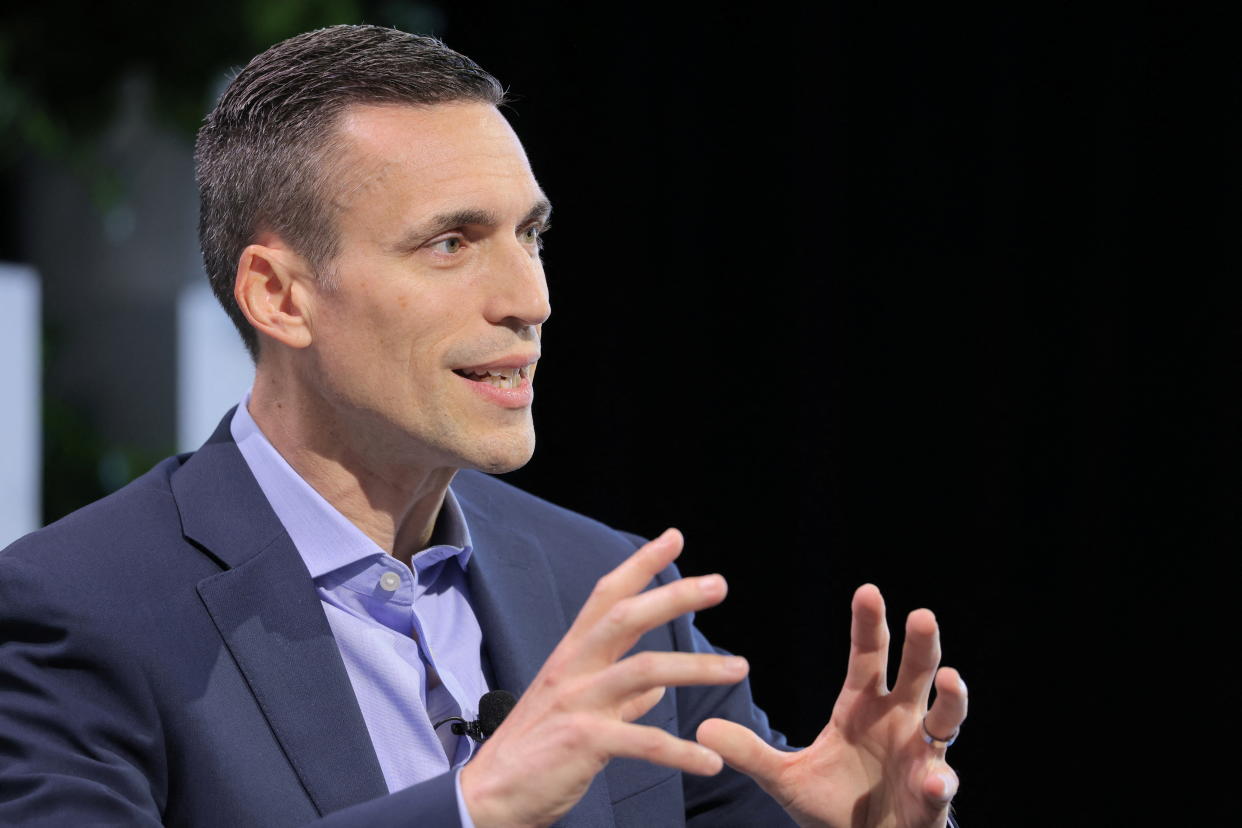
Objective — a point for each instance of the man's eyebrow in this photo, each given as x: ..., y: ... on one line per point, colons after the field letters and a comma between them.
x: 443, y: 222
x: 541, y: 212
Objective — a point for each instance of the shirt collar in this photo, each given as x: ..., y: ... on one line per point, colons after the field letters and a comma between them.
x: 325, y: 538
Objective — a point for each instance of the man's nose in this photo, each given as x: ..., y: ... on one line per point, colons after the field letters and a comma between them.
x: 519, y: 292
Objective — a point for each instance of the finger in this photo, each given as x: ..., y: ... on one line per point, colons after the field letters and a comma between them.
x: 742, y: 750
x: 641, y: 671
x: 656, y: 745
x: 638, y: 706
x: 949, y: 710
x: 632, y: 576
x: 868, y: 667
x: 940, y: 784
x: 625, y: 622
x: 920, y: 656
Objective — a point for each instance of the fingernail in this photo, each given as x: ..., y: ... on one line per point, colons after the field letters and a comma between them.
x: 948, y: 786
x: 735, y: 664
x: 711, y: 584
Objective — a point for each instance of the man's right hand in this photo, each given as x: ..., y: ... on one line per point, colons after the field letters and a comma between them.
x: 578, y: 712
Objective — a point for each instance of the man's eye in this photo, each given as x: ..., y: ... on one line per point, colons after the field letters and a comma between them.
x: 534, y: 235
x: 450, y: 245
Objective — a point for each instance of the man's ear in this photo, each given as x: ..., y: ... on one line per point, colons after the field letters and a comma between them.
x: 271, y: 290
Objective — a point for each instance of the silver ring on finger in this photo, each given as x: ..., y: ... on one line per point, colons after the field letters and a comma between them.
x: 936, y: 741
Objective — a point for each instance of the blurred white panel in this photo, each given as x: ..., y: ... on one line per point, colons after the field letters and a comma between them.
x: 213, y: 368
x: 20, y: 403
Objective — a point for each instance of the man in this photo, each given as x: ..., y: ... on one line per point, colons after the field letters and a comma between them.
x: 275, y: 629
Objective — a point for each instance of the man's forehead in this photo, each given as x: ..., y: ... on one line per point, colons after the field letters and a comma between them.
x: 426, y: 136
x: 421, y: 148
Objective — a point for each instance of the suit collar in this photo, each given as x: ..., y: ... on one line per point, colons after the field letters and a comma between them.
x: 222, y: 508
x: 266, y: 609
x: 512, y: 593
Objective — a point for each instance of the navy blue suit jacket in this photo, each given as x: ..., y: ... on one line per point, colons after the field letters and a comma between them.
x: 164, y: 659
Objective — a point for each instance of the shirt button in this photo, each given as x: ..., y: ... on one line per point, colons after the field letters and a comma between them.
x: 390, y: 581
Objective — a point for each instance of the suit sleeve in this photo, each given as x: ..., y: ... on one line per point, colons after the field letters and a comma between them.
x: 81, y: 740
x: 729, y: 798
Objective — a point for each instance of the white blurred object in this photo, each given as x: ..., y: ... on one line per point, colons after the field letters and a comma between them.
x: 21, y: 445
x: 213, y: 368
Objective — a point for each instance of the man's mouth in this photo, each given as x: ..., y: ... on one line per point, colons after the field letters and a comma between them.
x: 499, y: 377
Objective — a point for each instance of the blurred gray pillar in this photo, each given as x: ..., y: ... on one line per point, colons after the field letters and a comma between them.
x: 113, y: 265
x: 213, y: 368
x: 21, y: 448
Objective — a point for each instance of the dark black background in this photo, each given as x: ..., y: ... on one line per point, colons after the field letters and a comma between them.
x: 933, y: 300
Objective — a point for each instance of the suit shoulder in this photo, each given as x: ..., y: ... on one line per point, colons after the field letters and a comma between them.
x: 134, y: 517
x: 532, y: 515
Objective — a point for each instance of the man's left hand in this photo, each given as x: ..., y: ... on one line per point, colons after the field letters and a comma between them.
x: 873, y: 765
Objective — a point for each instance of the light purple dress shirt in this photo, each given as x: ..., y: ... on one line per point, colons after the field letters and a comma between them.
x: 410, y: 641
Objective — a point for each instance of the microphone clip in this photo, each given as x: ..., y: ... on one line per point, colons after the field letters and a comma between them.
x: 461, y: 727
x: 493, y: 708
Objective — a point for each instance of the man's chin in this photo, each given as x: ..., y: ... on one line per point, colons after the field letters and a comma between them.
x: 507, y: 456
x: 500, y: 468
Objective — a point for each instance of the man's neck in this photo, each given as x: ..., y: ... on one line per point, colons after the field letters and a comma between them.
x: 392, y: 500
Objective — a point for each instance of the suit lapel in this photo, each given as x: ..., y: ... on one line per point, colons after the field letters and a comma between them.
x: 514, y: 600
x: 267, y: 611
x: 514, y: 596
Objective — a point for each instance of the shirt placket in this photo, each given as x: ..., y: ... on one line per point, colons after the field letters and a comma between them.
x: 444, y: 697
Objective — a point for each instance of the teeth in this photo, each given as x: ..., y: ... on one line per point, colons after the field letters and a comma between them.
x: 501, y: 381
x: 499, y: 377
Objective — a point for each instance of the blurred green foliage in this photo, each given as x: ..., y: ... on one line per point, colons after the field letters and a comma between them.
x: 61, y: 61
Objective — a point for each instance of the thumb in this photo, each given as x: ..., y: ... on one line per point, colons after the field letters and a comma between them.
x: 742, y: 750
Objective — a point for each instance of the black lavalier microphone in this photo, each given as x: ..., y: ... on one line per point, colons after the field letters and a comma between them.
x: 493, y: 707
